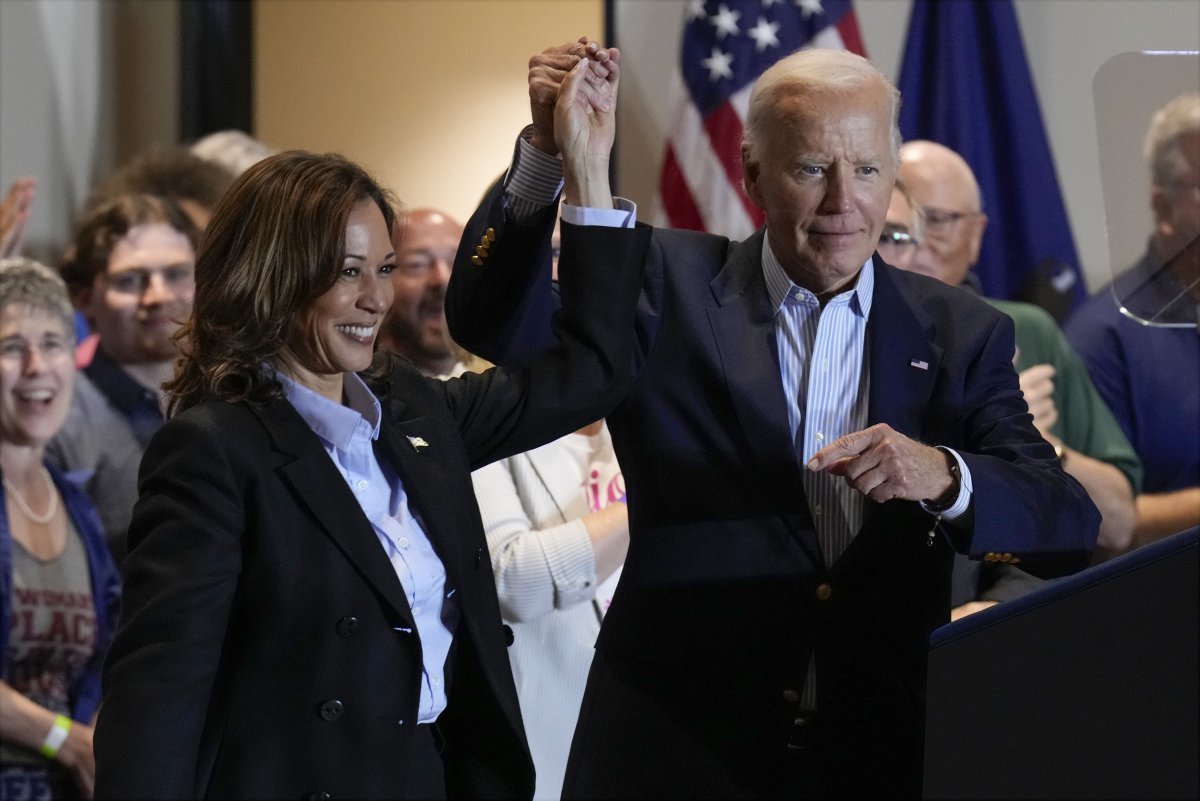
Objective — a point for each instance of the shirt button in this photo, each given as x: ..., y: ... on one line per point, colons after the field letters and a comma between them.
x: 416, y: 610
x: 437, y: 682
x: 332, y: 710
x: 362, y: 485
x: 820, y: 437
x: 402, y: 543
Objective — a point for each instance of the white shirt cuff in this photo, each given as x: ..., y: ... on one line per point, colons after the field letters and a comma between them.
x: 622, y: 215
x: 535, y: 180
x: 965, y: 489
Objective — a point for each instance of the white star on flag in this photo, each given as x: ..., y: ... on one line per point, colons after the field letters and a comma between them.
x: 695, y: 10
x: 810, y: 7
x: 769, y: 3
x: 718, y: 64
x: 725, y: 21
x: 763, y: 34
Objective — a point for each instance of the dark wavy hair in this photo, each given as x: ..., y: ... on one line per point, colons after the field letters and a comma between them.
x: 275, y: 244
x: 101, y: 227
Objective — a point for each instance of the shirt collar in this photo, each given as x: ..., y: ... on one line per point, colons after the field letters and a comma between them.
x: 334, y: 422
x: 780, y: 286
x: 121, y: 389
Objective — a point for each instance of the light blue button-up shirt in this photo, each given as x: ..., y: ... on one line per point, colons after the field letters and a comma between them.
x: 347, y: 432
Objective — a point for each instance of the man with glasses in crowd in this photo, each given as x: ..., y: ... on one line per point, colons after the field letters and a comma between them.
x: 1065, y: 406
x: 415, y: 327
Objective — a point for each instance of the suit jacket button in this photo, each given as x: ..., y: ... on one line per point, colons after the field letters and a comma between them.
x: 332, y: 710
x: 322, y: 796
x: 509, y: 637
x: 347, y: 626
x: 824, y: 591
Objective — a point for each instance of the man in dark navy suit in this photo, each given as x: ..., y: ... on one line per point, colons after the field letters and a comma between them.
x: 812, y: 436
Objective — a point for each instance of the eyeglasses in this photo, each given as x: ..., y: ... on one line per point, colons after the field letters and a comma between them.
x: 897, y: 238
x: 939, y: 221
x: 52, y: 349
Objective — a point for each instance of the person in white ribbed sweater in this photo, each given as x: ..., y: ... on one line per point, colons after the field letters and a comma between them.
x: 558, y: 530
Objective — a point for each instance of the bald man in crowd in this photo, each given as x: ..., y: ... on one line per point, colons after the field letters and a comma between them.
x: 1066, y: 408
x: 425, y: 241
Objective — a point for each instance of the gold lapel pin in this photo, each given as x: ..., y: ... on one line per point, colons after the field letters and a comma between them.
x: 417, y: 443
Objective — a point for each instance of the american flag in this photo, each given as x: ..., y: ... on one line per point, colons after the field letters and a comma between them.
x: 727, y: 44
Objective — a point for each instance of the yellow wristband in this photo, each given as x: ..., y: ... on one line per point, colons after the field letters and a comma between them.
x: 56, y: 737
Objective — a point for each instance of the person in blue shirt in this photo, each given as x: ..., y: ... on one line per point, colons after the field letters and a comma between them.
x: 59, y: 589
x: 1150, y: 375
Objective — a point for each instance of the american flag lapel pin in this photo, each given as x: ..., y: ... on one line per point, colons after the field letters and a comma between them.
x: 917, y: 363
x: 417, y: 443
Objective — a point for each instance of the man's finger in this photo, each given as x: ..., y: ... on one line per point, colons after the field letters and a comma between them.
x: 848, y: 446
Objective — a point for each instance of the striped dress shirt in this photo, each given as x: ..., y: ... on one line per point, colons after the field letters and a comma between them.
x: 821, y: 365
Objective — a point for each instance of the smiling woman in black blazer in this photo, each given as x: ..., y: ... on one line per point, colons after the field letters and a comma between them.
x: 309, y: 607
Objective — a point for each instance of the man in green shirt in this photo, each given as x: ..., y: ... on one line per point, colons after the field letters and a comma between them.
x: 947, y: 226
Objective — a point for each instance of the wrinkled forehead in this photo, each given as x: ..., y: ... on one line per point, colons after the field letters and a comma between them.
x: 430, y: 233
x: 801, y: 112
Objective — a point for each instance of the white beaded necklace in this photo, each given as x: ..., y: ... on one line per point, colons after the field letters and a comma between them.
x: 23, y: 505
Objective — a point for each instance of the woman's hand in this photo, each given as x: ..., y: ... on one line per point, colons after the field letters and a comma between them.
x: 77, y: 756
x: 14, y: 213
x: 585, y: 126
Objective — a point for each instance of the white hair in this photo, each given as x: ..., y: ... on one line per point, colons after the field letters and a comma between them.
x: 234, y: 150
x: 1170, y: 124
x: 816, y: 70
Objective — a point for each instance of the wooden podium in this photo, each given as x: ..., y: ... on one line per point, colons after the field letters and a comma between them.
x: 1087, y: 688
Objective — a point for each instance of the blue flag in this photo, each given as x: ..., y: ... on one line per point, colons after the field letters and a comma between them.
x: 965, y: 84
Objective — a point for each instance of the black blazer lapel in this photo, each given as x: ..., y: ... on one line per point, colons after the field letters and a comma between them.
x: 904, y: 362
x: 743, y: 327
x: 903, y: 357
x: 323, y: 492
x: 415, y: 454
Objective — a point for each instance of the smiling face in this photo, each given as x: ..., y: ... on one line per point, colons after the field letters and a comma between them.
x: 37, y: 373
x: 416, y: 326
x: 336, y: 334
x: 824, y: 175
x: 139, y: 301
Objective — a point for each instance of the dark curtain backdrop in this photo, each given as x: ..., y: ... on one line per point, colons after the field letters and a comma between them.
x: 216, y: 67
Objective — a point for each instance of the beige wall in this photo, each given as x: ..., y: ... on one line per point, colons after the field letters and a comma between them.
x: 146, y: 68
x: 426, y: 94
